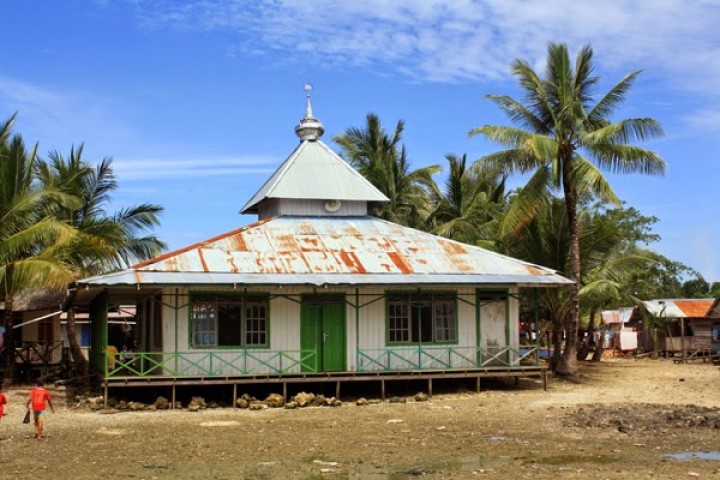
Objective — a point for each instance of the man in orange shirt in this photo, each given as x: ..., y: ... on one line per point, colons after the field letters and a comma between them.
x: 38, y: 397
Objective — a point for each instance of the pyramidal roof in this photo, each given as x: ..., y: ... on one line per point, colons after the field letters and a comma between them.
x: 313, y: 171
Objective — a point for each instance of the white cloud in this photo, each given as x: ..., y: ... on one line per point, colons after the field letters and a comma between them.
x: 703, y: 121
x: 436, y: 40
x: 156, y: 168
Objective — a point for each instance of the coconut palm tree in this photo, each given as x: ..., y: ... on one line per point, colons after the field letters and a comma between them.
x: 105, y: 241
x: 468, y: 209
x: 32, y: 252
x: 381, y: 159
x: 564, y: 140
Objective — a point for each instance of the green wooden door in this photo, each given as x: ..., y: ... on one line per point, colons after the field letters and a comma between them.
x: 333, y: 333
x: 322, y: 335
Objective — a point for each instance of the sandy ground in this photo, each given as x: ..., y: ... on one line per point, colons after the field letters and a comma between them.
x: 621, y: 420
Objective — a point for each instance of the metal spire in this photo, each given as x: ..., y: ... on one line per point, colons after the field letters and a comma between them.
x: 309, y: 127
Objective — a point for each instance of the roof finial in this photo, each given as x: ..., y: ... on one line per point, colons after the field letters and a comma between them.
x: 309, y: 127
x: 308, y: 108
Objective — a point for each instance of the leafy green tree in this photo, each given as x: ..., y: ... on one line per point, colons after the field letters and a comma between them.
x: 696, y: 287
x: 105, y: 241
x: 715, y: 290
x: 468, y: 209
x: 611, y: 256
x: 663, y: 278
x: 564, y: 141
x: 613, y: 252
x: 382, y: 159
x: 32, y: 253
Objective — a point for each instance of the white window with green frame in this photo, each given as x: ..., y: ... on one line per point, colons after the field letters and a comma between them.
x: 421, y: 318
x: 228, y: 321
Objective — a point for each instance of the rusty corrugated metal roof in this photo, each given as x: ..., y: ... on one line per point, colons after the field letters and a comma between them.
x: 620, y: 315
x: 679, y: 308
x: 325, y: 250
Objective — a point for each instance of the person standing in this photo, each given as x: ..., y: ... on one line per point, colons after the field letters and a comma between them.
x: 39, y: 399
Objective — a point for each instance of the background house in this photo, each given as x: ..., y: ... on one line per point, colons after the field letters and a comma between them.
x: 622, y: 328
x: 684, y: 326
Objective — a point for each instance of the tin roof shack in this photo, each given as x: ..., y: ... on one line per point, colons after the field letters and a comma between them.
x: 36, y: 331
x: 683, y: 327
x: 714, y: 315
x: 622, y: 327
x: 317, y: 290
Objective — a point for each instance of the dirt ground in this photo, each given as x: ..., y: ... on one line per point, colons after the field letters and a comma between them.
x: 620, y: 420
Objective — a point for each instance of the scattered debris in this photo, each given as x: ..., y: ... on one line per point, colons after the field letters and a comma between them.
x: 644, y: 417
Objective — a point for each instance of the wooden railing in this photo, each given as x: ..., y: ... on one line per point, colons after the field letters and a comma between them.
x: 212, y: 363
x: 445, y: 358
x: 246, y: 362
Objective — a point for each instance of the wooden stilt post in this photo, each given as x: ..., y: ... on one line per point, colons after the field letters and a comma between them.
x: 382, y: 389
x: 285, y: 397
x: 429, y: 387
x: 337, y: 390
x: 105, y: 395
x: 477, y: 384
x: 234, y: 395
x: 544, y: 378
x: 173, y: 397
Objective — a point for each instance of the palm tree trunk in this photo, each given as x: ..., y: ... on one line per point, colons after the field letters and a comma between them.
x: 556, y: 344
x: 78, y: 358
x: 599, y: 345
x: 568, y: 363
x: 584, y: 349
x: 9, y: 375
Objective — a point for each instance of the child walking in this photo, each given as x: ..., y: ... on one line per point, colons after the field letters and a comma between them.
x: 38, y: 398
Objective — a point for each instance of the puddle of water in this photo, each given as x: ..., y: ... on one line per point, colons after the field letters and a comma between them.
x: 497, y: 438
x: 689, y: 456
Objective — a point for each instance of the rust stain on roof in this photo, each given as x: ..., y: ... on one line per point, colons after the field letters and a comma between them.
x: 352, y: 261
x: 202, y: 260
x: 286, y: 242
x: 453, y: 247
x: 695, y: 308
x: 532, y: 270
x: 165, y: 256
x: 399, y: 262
x: 310, y: 244
x: 237, y: 243
x: 306, y: 229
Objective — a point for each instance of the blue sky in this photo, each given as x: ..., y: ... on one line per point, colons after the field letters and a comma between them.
x: 196, y: 101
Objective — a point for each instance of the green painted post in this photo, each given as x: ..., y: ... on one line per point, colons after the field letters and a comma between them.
x: 508, y: 355
x: 478, y: 338
x: 176, y: 308
x: 537, y: 327
x: 357, y: 329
